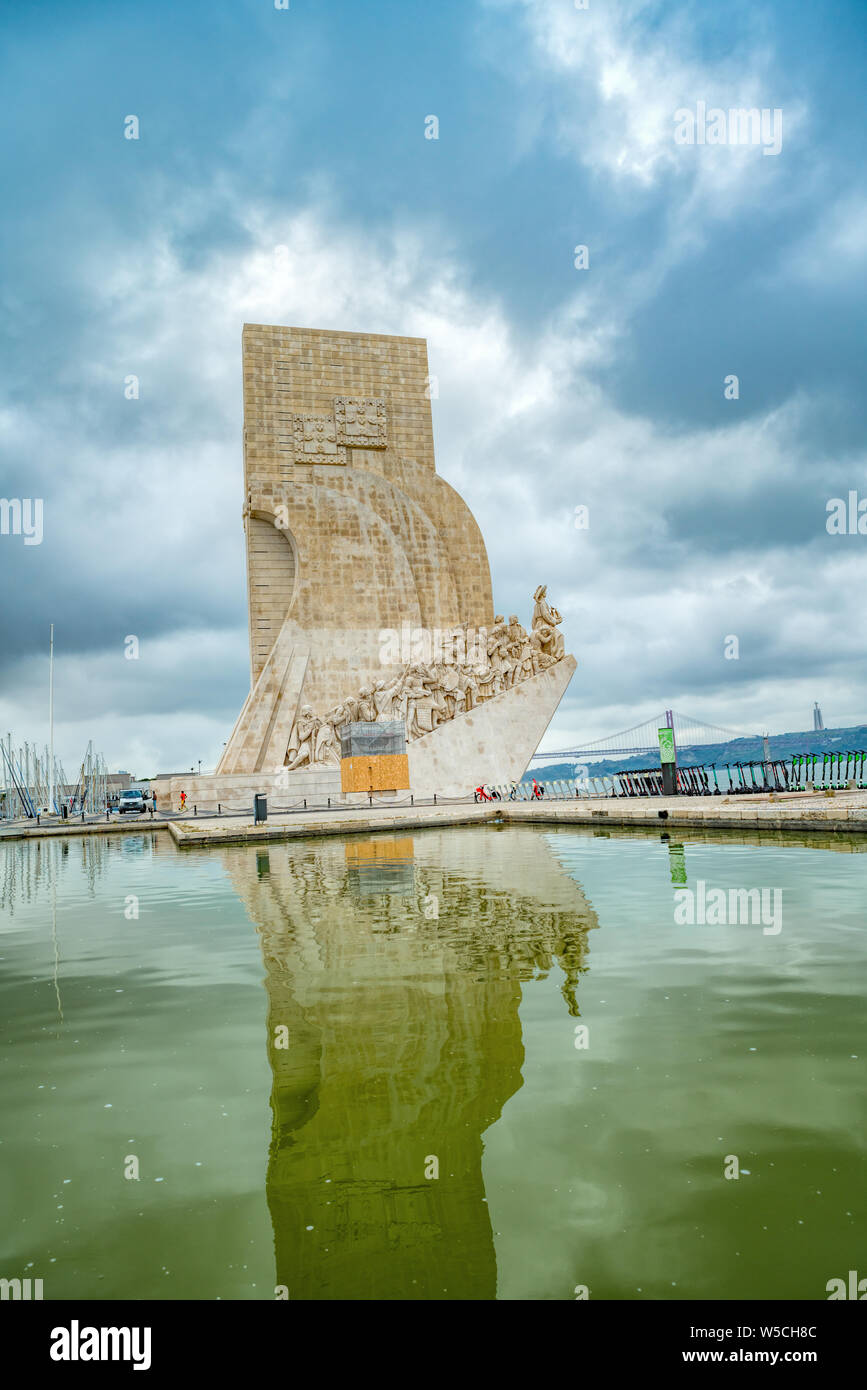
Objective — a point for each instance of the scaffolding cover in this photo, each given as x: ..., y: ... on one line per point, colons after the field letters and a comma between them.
x: 369, y: 740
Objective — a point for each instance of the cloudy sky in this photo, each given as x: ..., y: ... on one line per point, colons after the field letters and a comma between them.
x: 559, y: 387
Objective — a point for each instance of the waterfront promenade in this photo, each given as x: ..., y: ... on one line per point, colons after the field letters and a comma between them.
x: 842, y: 813
x: 845, y: 813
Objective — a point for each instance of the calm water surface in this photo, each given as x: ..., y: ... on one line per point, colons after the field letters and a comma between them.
x: 287, y: 1044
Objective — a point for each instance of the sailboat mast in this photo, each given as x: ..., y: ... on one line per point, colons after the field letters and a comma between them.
x: 51, y: 720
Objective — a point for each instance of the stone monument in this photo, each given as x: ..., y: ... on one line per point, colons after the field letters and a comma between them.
x: 368, y: 584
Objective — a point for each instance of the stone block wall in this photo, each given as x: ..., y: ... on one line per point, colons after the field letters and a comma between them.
x: 368, y: 540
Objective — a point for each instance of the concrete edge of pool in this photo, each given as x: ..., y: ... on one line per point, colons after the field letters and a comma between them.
x: 848, y: 817
x: 75, y: 827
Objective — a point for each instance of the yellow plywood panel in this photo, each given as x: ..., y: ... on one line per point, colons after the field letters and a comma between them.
x: 383, y: 773
x: 390, y: 850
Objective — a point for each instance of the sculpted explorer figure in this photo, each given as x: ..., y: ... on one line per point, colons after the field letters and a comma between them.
x: 547, y: 617
x: 544, y: 612
x: 302, y: 744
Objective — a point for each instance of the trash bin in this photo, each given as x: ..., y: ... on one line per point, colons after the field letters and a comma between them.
x: 260, y: 808
x: 64, y: 811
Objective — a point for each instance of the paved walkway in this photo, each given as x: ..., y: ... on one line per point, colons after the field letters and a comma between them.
x: 841, y: 812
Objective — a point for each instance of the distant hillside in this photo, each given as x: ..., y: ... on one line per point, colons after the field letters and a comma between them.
x: 737, y: 750
x: 552, y: 772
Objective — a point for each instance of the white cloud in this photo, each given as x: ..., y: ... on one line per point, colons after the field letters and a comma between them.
x: 615, y: 74
x: 836, y: 250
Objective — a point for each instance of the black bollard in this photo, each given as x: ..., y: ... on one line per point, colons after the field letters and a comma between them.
x: 195, y: 810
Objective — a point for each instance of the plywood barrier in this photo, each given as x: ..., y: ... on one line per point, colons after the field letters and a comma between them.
x: 384, y: 772
x: 359, y: 851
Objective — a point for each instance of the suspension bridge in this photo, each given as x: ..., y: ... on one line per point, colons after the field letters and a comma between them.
x: 643, y: 738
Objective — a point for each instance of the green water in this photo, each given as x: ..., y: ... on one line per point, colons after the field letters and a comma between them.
x: 428, y: 989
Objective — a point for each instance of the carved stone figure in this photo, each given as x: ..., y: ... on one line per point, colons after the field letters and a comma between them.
x: 302, y: 740
x: 366, y: 706
x: 437, y: 687
x: 547, y: 617
x: 485, y: 681
x: 498, y: 645
x: 425, y: 696
x: 419, y: 704
x: 542, y: 640
x: 452, y: 695
x: 516, y: 638
x: 383, y: 697
x: 328, y: 737
x: 544, y: 612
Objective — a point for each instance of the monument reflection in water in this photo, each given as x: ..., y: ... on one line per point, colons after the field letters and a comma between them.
x: 395, y: 1042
